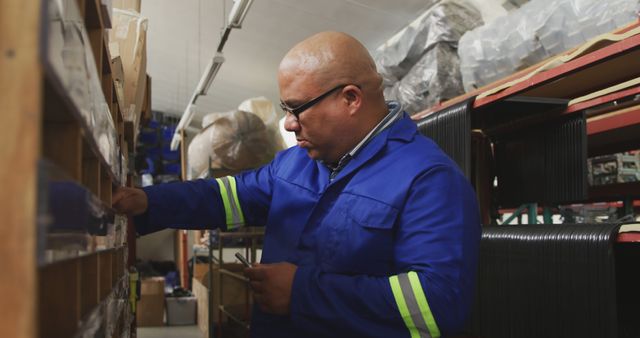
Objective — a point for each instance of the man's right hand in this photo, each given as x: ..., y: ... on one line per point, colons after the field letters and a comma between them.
x: 130, y: 201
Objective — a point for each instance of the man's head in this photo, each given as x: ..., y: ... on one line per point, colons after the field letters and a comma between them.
x: 339, y: 66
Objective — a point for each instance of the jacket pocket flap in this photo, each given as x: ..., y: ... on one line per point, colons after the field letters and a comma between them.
x: 371, y: 213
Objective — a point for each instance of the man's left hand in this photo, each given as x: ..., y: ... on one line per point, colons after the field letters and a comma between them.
x: 271, y: 284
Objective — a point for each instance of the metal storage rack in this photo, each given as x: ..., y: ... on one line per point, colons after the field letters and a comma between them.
x: 610, y: 72
x: 250, y: 237
x: 603, y: 85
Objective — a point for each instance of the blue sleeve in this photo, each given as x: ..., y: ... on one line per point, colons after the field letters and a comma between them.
x: 436, y: 239
x: 182, y: 205
x: 199, y: 205
x: 254, y: 192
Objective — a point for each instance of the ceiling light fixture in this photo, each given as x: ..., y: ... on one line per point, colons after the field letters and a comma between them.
x: 236, y: 17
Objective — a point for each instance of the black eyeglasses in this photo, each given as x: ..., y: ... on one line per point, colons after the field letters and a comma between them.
x: 299, y: 109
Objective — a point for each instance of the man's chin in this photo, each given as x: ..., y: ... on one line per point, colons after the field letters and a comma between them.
x: 313, y: 154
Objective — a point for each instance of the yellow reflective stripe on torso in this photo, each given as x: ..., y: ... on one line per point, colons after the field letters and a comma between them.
x: 233, y: 212
x: 413, y: 306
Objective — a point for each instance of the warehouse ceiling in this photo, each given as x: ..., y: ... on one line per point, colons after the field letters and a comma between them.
x: 183, y: 36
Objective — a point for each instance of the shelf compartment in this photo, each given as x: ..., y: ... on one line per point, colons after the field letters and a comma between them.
x: 72, y: 220
x: 614, y: 132
x: 73, y: 86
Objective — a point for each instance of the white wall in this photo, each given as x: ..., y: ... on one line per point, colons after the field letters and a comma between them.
x: 158, y: 246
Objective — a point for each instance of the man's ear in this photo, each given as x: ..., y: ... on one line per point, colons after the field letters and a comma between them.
x: 353, y: 97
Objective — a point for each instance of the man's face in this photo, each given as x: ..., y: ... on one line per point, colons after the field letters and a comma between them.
x: 322, y: 129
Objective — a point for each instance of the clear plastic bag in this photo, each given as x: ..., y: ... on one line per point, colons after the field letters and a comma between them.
x: 235, y: 141
x: 537, y: 30
x: 435, y: 78
x: 446, y: 21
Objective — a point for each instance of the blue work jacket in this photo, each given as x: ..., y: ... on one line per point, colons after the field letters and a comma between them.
x: 388, y: 248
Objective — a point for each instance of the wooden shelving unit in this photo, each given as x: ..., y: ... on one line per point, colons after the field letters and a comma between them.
x: 64, y: 250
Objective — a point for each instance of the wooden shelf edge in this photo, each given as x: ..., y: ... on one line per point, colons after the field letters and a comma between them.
x: 583, y: 62
x: 614, y: 120
x: 629, y: 237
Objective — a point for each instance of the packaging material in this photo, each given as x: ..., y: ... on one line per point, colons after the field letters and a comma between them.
x: 117, y: 72
x: 614, y: 168
x: 106, y: 10
x: 265, y: 109
x: 419, y: 65
x: 446, y: 21
x: 181, y: 310
x: 70, y: 55
x: 537, y: 30
x: 129, y: 33
x: 150, y: 309
x: 92, y: 324
x: 236, y: 141
x: 262, y: 107
x: 435, y: 78
x: 130, y: 5
x: 201, y: 292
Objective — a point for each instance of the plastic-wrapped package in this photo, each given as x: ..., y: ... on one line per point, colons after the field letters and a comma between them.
x: 71, y: 58
x: 537, y: 30
x: 235, y: 141
x: 265, y: 109
x: 435, y: 78
x: 446, y: 21
x: 92, y: 325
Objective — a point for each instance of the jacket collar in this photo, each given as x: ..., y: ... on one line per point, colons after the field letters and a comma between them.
x: 403, y: 129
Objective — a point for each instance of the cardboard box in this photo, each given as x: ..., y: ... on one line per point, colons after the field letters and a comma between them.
x: 181, y: 310
x: 129, y: 34
x: 200, y: 270
x: 202, y: 303
x: 150, y: 308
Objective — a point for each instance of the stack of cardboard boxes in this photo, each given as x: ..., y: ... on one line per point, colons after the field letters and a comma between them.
x: 128, y: 49
x: 150, y: 307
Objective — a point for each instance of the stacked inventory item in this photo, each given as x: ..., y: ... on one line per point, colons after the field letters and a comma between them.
x: 548, y: 281
x: 419, y: 65
x: 537, y: 30
x: 128, y: 41
x: 234, y: 141
x: 450, y: 128
x: 614, y: 168
x: 155, y: 156
x: 546, y: 163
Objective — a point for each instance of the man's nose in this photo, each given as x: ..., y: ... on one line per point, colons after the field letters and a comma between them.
x: 291, y: 123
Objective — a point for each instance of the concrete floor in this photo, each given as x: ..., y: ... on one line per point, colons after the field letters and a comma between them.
x: 189, y: 331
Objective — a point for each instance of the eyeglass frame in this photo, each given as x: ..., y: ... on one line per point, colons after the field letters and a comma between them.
x: 301, y: 108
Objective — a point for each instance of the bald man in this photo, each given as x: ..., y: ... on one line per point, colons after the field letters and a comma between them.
x: 371, y: 230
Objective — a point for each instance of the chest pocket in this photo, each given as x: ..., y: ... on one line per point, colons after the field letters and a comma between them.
x: 360, y: 236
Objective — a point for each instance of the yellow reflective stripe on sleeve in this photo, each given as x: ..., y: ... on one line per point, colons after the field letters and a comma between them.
x: 425, y: 310
x: 412, y: 304
x: 233, y: 212
x: 402, y: 306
